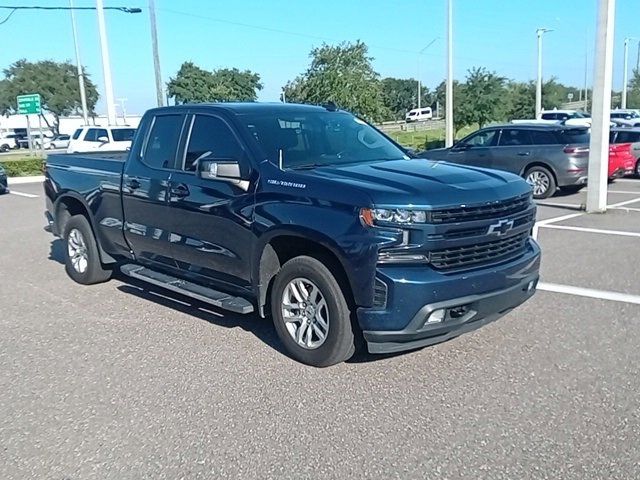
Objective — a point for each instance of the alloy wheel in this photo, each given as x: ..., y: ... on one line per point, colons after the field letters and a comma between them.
x: 305, y: 313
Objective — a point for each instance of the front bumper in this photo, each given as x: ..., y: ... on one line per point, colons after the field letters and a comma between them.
x: 471, y: 300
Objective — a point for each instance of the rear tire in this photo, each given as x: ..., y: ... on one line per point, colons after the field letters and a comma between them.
x: 310, y: 313
x: 638, y: 169
x: 542, y: 182
x: 81, y: 259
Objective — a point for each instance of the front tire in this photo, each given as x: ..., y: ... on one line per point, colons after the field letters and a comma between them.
x: 82, y: 260
x: 542, y: 182
x: 311, y: 314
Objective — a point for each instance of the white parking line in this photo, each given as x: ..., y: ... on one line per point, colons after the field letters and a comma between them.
x: 625, y: 192
x: 589, y: 292
x: 626, y: 209
x: 592, y: 230
x: 21, y: 194
x: 626, y: 202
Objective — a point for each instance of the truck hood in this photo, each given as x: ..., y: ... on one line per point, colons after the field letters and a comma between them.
x: 423, y: 183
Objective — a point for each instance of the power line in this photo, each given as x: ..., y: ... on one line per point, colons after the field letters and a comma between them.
x: 20, y: 7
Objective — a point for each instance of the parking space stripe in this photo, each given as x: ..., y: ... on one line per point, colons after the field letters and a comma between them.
x: 593, y: 230
x: 626, y: 202
x: 589, y: 292
x: 21, y: 194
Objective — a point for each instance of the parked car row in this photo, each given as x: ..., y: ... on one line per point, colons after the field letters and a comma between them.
x: 84, y: 139
x: 549, y: 156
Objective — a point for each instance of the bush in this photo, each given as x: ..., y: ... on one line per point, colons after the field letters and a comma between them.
x: 22, y: 167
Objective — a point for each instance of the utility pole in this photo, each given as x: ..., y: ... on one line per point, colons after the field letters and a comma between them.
x: 156, y: 55
x: 539, y: 33
x: 124, y: 110
x: 83, y: 92
x: 586, y: 85
x: 601, y: 108
x: 106, y: 64
x: 449, y: 87
x: 625, y: 74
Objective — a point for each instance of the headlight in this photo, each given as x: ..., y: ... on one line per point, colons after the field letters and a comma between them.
x: 399, y: 216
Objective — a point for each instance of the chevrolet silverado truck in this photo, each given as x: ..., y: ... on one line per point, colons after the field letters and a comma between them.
x: 306, y: 214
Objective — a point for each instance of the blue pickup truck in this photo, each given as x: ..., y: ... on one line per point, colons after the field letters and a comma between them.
x: 303, y: 213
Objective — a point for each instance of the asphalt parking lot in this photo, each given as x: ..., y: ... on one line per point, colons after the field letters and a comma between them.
x: 123, y: 381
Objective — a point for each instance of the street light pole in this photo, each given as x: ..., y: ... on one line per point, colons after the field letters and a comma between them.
x: 539, y: 33
x: 156, y: 54
x: 449, y: 86
x: 83, y: 92
x: 625, y: 74
x: 106, y: 64
x: 601, y: 108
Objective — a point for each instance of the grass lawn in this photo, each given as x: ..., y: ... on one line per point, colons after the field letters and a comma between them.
x: 20, y: 164
x: 427, y: 139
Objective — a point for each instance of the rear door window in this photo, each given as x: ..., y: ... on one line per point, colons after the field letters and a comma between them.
x: 549, y: 116
x: 162, y: 142
x: 574, y: 135
x: 512, y: 137
x: 628, y: 137
x: 542, y: 137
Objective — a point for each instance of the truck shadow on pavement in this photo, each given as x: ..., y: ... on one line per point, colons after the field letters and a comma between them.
x: 56, y: 252
x: 260, y: 327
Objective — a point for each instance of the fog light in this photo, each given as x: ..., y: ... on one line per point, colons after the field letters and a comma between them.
x: 436, y: 316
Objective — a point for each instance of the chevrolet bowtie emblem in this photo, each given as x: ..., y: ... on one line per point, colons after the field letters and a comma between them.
x: 500, y: 228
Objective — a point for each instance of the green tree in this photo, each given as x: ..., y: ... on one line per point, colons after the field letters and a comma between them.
x: 520, y: 101
x: 400, y: 95
x: 341, y: 74
x: 461, y: 117
x: 193, y: 84
x: 633, y: 93
x: 483, y: 94
x: 56, y: 82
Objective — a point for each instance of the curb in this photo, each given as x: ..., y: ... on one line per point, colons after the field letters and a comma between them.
x: 20, y: 180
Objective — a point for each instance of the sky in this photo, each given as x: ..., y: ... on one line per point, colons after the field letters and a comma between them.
x: 274, y: 38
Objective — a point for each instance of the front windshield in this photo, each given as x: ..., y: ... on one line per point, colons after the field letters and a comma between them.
x: 310, y: 139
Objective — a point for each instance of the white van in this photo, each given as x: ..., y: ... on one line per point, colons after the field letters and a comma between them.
x: 103, y: 139
x: 419, y: 115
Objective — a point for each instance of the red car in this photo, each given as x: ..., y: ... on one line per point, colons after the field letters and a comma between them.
x: 621, y: 160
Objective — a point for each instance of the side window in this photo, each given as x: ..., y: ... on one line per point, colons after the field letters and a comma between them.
x: 122, y: 134
x: 63, y: 137
x: 91, y: 135
x: 486, y: 138
x: 210, y: 136
x: 162, y: 142
x: 628, y: 137
x: 101, y: 133
x: 541, y: 137
x: 514, y: 137
x: 549, y: 116
x: 77, y: 133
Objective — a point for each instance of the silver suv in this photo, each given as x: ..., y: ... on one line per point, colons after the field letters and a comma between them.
x: 548, y: 156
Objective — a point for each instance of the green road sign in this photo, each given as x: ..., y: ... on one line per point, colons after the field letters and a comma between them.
x: 28, y: 104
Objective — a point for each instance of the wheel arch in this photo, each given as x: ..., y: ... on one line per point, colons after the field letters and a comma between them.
x: 70, y: 204
x: 279, y: 247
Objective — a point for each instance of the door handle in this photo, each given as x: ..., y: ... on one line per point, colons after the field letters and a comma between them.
x: 524, y: 154
x: 180, y: 191
x: 133, y: 183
